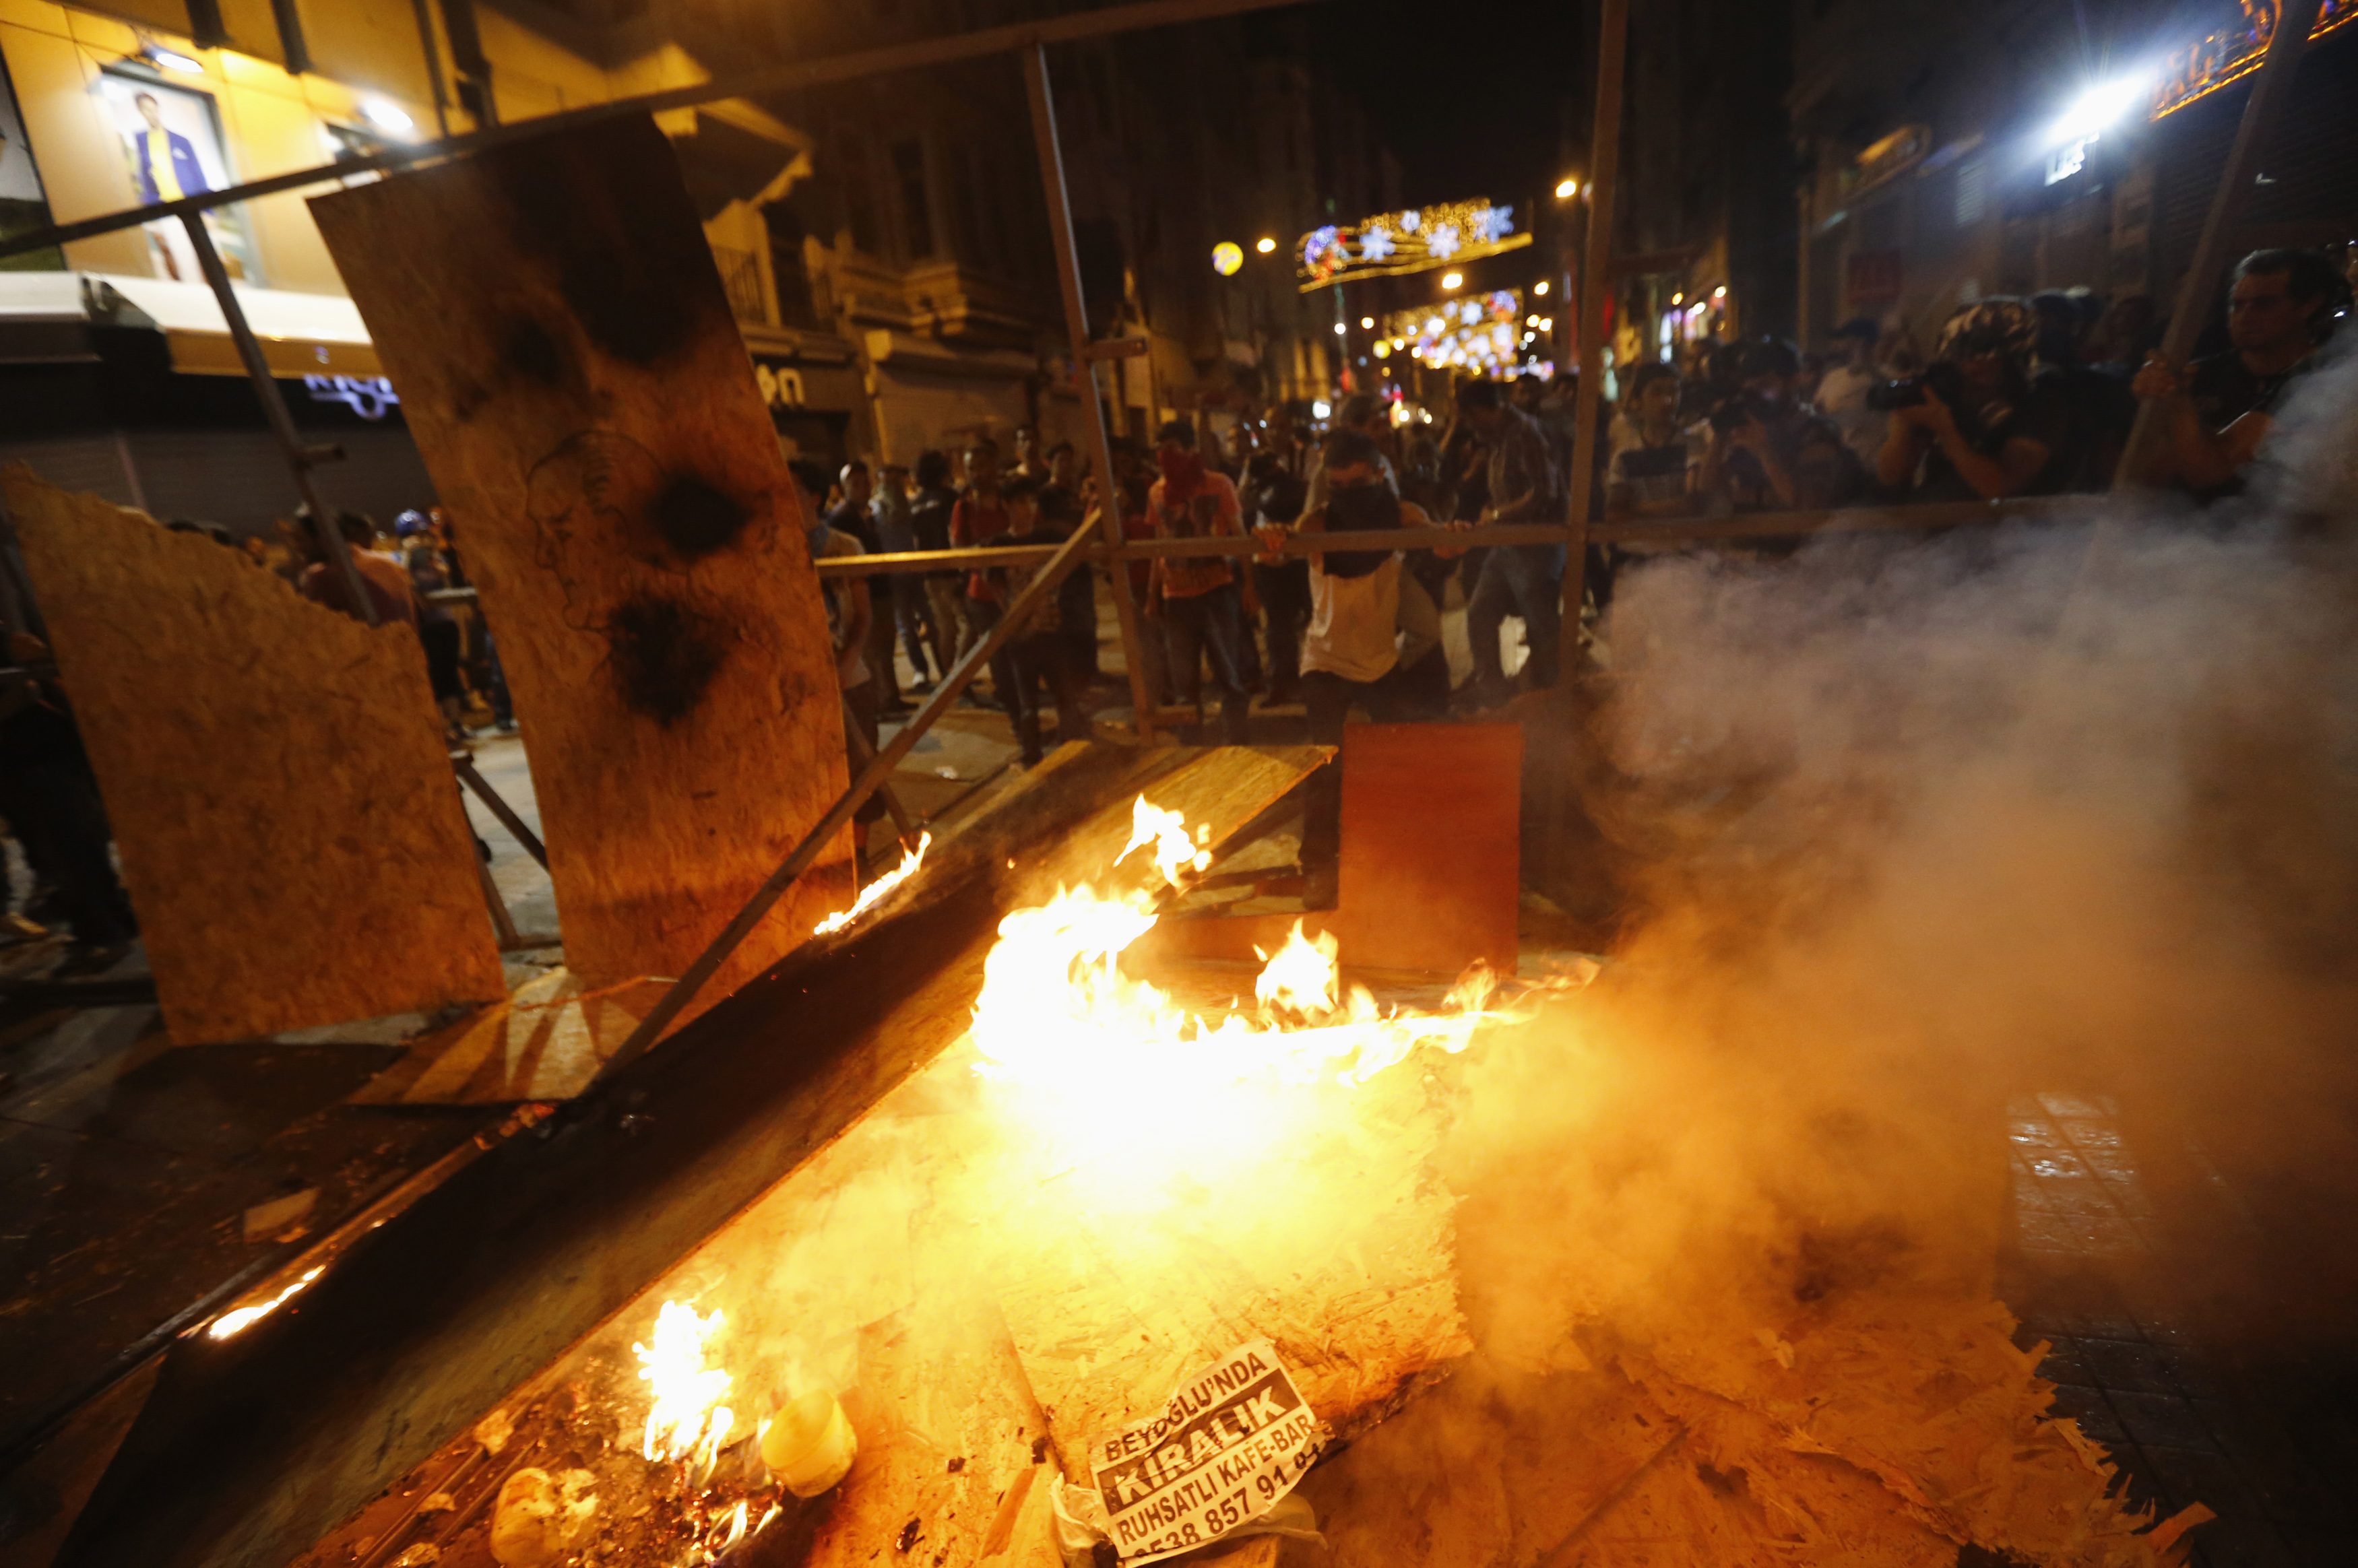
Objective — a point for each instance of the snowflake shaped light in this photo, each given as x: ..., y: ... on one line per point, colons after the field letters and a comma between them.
x: 1443, y: 242
x: 1375, y: 244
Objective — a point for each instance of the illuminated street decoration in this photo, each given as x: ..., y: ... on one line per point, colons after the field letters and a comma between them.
x: 1390, y: 244
x: 2234, y: 52
x: 1480, y: 335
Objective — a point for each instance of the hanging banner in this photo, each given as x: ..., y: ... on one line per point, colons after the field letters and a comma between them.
x: 1416, y: 240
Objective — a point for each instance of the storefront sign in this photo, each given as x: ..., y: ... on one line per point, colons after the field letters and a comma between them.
x: 1872, y: 278
x: 367, y: 395
x: 1895, y: 153
x: 782, y: 385
x: 2233, y: 51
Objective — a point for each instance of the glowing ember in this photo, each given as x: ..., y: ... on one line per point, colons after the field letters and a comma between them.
x: 1165, y: 832
x: 869, y: 895
x: 687, y: 1421
x: 245, y: 1317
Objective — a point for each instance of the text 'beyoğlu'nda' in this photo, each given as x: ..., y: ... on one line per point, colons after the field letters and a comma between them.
x: 1232, y: 1441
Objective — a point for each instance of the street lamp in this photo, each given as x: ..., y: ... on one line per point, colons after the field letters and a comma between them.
x: 1566, y: 189
x: 1264, y: 244
x: 1339, y: 329
x: 1539, y: 289
x: 1367, y: 323
x: 1452, y: 279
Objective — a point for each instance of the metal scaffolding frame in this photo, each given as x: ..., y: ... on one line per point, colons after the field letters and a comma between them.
x: 1027, y: 43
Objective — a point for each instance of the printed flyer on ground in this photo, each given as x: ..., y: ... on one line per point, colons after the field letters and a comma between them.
x: 1232, y: 1441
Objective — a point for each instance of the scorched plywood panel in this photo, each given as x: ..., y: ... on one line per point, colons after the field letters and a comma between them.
x: 290, y: 833
x: 550, y: 315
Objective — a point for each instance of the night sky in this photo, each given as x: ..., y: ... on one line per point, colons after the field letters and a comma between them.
x: 1470, y: 97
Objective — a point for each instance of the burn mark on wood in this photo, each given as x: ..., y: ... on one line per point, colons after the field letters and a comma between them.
x: 665, y: 656
x: 910, y: 1533
x: 696, y: 518
x: 642, y: 285
x: 531, y: 352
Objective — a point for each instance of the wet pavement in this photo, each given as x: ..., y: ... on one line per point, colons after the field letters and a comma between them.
x: 2198, y: 1400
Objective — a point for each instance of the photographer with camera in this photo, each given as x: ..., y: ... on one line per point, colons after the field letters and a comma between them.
x: 1769, y: 451
x: 1979, y: 423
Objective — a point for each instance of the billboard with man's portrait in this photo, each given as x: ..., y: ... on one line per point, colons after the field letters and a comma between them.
x: 172, y: 148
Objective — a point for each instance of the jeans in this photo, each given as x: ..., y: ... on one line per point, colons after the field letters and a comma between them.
x: 913, y: 616
x: 1207, y: 623
x: 1284, y: 593
x: 54, y: 809
x: 1076, y: 606
x: 1045, y: 660
x: 945, y: 595
x: 1518, y: 579
x: 981, y: 615
x: 882, y: 604
x: 1327, y: 699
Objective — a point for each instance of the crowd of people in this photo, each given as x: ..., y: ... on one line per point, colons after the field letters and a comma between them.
x: 2017, y: 397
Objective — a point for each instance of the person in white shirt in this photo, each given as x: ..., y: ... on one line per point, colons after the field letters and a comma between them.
x: 1842, y: 391
x: 1352, y: 653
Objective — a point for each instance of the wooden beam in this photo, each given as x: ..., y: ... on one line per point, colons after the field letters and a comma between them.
x: 1670, y: 531
x: 1085, y: 359
x: 1604, y: 178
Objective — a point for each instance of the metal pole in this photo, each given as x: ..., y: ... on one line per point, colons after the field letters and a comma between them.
x: 855, y: 740
x: 433, y: 69
x: 871, y: 778
x: 1605, y: 159
x: 464, y: 766
x: 2200, y: 286
x: 300, y: 457
x: 1076, y: 324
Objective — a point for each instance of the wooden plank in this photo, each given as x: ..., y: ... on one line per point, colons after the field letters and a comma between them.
x: 1431, y: 845
x: 275, y: 772
x: 569, y: 366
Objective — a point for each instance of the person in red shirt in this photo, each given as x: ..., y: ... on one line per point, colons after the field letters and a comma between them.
x: 1194, y: 598
x: 980, y: 517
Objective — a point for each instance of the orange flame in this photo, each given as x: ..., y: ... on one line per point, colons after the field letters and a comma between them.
x: 687, y: 1420
x: 874, y: 891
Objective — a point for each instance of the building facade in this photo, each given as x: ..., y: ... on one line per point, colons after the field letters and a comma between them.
x: 117, y: 375
x: 1948, y: 154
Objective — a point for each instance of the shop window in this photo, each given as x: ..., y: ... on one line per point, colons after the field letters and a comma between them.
x: 1972, y: 203
x: 859, y: 210
x: 916, y: 202
x: 796, y: 306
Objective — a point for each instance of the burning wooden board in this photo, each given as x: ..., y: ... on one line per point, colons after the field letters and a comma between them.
x: 259, y: 1443
x: 274, y: 775
x: 928, y: 1265
x: 568, y: 362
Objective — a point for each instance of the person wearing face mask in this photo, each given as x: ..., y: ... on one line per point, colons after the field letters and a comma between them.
x: 1373, y: 641
x: 1194, y: 598
x: 1979, y: 424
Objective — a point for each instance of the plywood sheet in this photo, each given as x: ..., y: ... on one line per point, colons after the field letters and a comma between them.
x: 1431, y: 824
x: 289, y: 829
x: 567, y: 360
